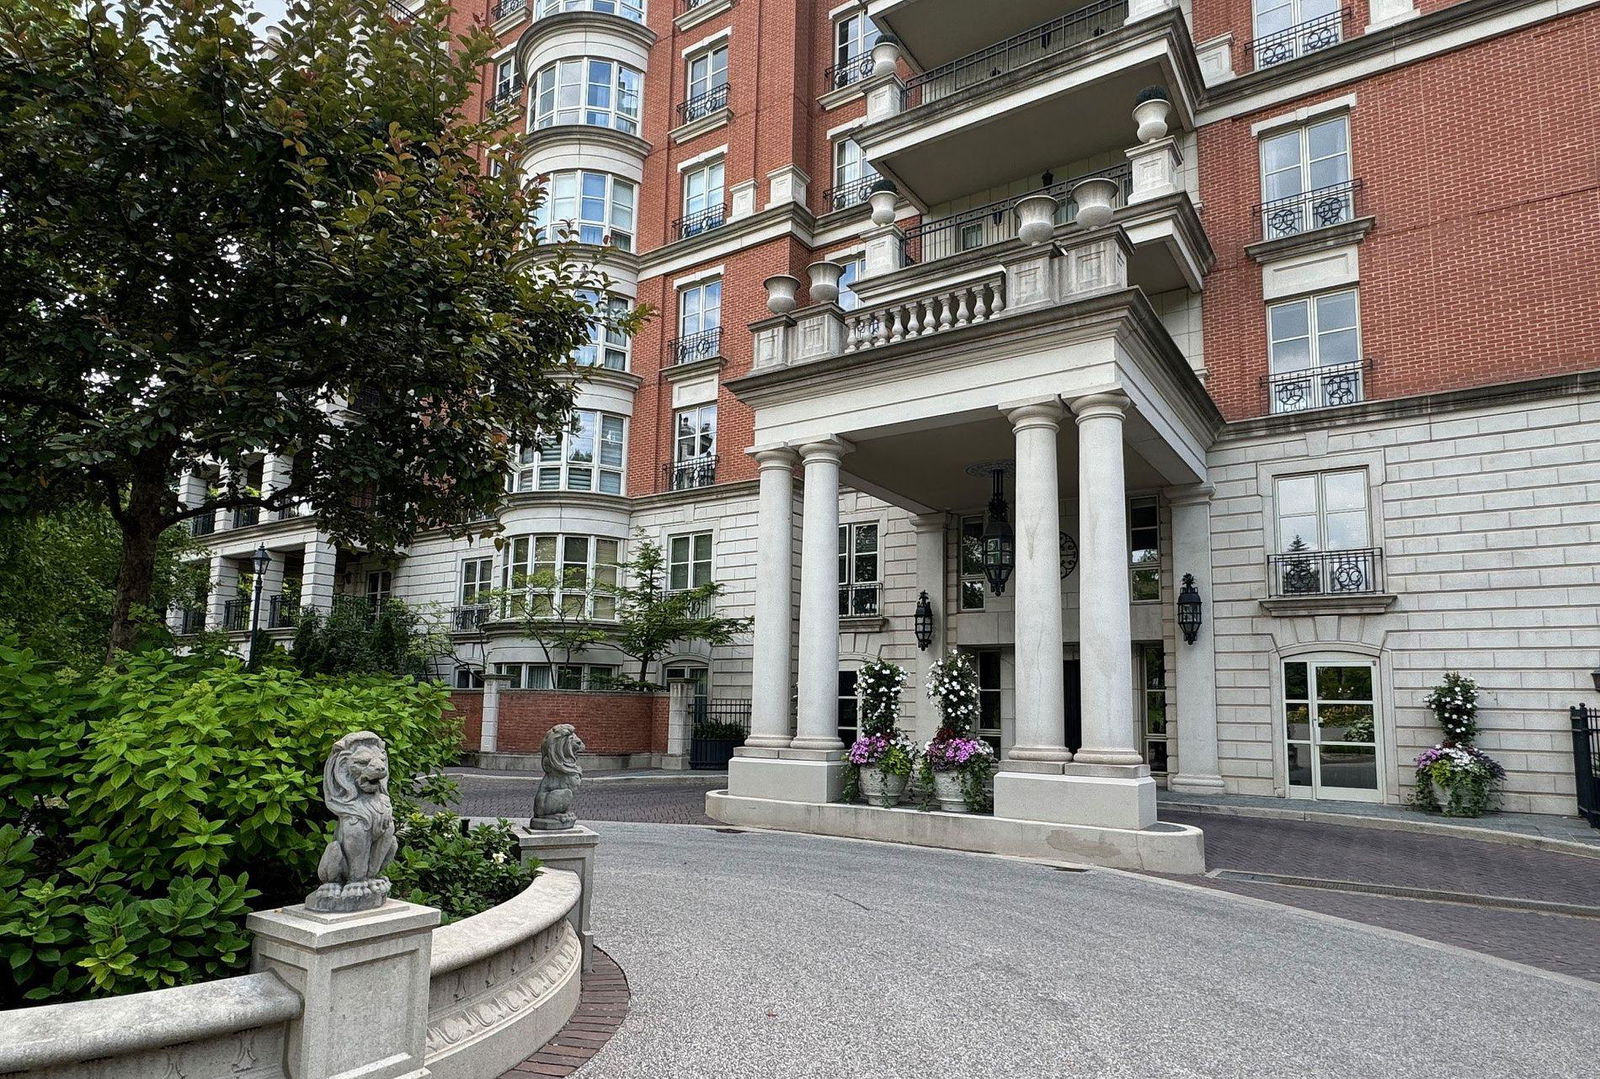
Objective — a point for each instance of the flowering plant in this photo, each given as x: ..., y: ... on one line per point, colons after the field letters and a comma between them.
x: 1455, y: 705
x: 953, y: 686
x: 891, y: 754
x: 1458, y: 780
x: 956, y: 754
x: 878, y: 687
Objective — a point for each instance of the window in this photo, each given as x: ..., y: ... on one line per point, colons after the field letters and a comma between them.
x: 990, y: 696
x: 468, y: 677
x: 1330, y: 727
x: 632, y: 10
x: 696, y: 436
x: 1144, y: 551
x: 505, y: 79
x: 598, y: 93
x: 380, y: 587
x: 557, y: 675
x: 608, y: 345
x: 853, y: 269
x: 702, y: 199
x: 852, y: 176
x: 699, y: 322
x: 971, y: 575
x: 695, y: 673
x: 859, y: 578
x: 1314, y: 352
x: 1324, y: 536
x: 970, y: 236
x: 1150, y: 704
x: 853, y: 39
x: 593, y: 207
x: 586, y: 457
x: 1305, y: 179
x: 573, y: 575
x: 688, y: 561
x: 707, y: 72
x: 1286, y: 29
x: 849, y: 714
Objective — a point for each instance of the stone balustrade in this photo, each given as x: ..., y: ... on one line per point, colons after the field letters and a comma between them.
x: 951, y: 307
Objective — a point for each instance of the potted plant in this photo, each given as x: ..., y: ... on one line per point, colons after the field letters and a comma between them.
x: 1455, y: 777
x: 956, y: 765
x: 883, y: 756
x: 1150, y: 111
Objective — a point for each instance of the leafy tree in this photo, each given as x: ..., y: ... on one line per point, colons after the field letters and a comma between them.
x: 651, y: 618
x: 211, y: 250
x: 354, y: 637
x: 552, y: 612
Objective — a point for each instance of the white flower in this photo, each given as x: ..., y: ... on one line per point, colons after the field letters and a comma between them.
x: 499, y: 857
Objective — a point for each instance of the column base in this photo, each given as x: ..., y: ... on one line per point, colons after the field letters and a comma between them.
x: 1056, y: 755
x: 768, y: 741
x: 1090, y: 796
x: 814, y: 780
x: 821, y: 745
x: 1196, y: 784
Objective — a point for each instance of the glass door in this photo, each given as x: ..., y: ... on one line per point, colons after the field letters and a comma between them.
x: 1330, y: 725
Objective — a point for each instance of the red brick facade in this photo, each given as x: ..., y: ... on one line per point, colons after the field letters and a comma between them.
x: 609, y: 723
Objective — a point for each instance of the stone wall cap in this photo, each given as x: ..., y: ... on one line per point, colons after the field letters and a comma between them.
x: 548, y: 900
x: 55, y: 1034
x: 310, y: 929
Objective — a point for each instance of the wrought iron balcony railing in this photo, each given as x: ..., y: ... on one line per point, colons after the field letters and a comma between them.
x: 1308, y: 211
x: 712, y: 217
x: 282, y: 611
x: 470, y: 618
x: 1016, y: 52
x: 1298, y: 40
x: 504, y: 9
x: 850, y: 71
x: 399, y: 12
x: 995, y: 222
x: 245, y: 516
x: 697, y: 346
x: 703, y: 105
x: 235, y: 615
x: 860, y: 600
x: 851, y: 194
x: 1317, y: 387
x: 204, y: 524
x: 1325, y: 573
x: 506, y: 95
x: 191, y: 620
x: 695, y: 472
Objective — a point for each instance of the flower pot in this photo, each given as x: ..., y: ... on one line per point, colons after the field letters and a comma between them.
x: 881, y: 790
x: 781, y: 291
x: 1443, y: 796
x: 885, y: 56
x: 947, y: 789
x: 1151, y: 116
x: 1096, y: 198
x: 825, y: 281
x: 1036, y: 218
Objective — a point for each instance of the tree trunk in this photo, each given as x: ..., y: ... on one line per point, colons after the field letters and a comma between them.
x: 141, y: 524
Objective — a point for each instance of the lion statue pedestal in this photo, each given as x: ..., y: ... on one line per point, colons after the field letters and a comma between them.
x: 355, y: 788
x: 558, y: 788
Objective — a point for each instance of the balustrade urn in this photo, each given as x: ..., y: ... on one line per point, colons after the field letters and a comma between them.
x: 1036, y: 218
x: 781, y: 292
x: 883, y: 199
x: 825, y: 281
x: 1096, y: 199
x: 1151, y: 116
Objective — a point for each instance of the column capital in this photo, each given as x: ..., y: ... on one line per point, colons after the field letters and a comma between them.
x: 930, y: 522
x: 1037, y: 414
x: 1100, y: 404
x: 1191, y: 495
x: 830, y: 448
x: 774, y: 457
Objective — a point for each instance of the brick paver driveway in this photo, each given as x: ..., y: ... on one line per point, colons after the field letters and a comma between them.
x: 1563, y: 943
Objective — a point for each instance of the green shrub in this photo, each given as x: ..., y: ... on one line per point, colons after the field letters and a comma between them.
x: 144, y: 808
x: 462, y: 873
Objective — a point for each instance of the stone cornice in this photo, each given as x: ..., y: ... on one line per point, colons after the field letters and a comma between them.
x: 579, y: 134
x: 736, y: 489
x: 789, y: 219
x: 585, y: 23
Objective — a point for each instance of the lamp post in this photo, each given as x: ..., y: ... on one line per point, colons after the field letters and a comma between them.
x: 1189, y: 609
x: 923, y: 622
x: 998, y: 540
x: 261, y: 561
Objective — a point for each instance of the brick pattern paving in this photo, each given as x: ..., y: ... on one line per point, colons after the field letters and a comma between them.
x: 643, y: 801
x: 601, y: 1010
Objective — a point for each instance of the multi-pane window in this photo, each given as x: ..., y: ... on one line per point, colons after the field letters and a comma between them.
x: 853, y: 39
x: 593, y: 207
x: 1305, y: 178
x: 1330, y: 727
x: 695, y: 434
x: 699, y: 309
x: 990, y: 696
x: 468, y: 677
x: 860, y: 570
x: 688, y: 561
x: 853, y: 269
x: 1150, y: 704
x: 852, y: 176
x: 849, y: 710
x: 573, y: 575
x: 1314, y: 349
x: 587, y: 456
x: 633, y: 10
x: 707, y: 72
x: 1286, y: 29
x: 505, y: 79
x: 380, y: 586
x: 608, y: 345
x: 972, y: 581
x: 557, y: 675
x: 1144, y: 550
x: 1324, y: 535
x: 702, y: 198
x: 477, y: 578
x: 600, y: 93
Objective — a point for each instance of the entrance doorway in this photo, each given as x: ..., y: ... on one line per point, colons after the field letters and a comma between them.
x: 1331, y: 730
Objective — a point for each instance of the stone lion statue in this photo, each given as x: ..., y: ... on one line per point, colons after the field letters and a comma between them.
x: 558, y: 789
x: 355, y: 788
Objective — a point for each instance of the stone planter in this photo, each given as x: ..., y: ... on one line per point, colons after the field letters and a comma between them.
x: 1036, y: 218
x: 885, y: 56
x: 825, y: 281
x: 883, y: 202
x: 881, y: 790
x: 781, y: 290
x: 947, y: 789
x: 1096, y: 198
x: 1151, y: 116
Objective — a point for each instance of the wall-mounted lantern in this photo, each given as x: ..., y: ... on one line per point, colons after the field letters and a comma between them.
x: 923, y: 622
x: 1189, y: 609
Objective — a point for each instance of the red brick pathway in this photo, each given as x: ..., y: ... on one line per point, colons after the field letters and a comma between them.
x: 601, y: 1010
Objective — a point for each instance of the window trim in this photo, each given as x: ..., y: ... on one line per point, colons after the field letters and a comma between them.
x: 618, y: 119
x: 1314, y: 347
x: 481, y: 585
x: 536, y: 465
x: 677, y: 438
x: 545, y: 219
x: 706, y: 51
x: 847, y: 564
x: 1337, y: 654
x: 1141, y: 502
x: 710, y: 560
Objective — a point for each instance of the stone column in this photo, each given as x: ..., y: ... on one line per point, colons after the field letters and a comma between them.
x: 489, y: 727
x: 224, y: 587
x: 818, y: 724
x: 1040, y: 701
x: 931, y: 528
x: 364, y: 978
x: 680, y: 722
x: 316, y: 581
x: 772, y: 659
x: 1197, y: 663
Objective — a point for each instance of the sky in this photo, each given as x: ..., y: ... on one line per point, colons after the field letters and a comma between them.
x: 272, y: 9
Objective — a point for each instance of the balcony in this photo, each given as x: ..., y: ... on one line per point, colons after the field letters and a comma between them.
x: 235, y: 615
x: 712, y: 217
x: 1316, y: 387
x: 704, y: 345
x: 469, y: 619
x: 851, y: 194
x: 690, y: 474
x: 1062, y: 91
x: 860, y: 600
x: 935, y: 32
x: 1325, y: 573
x: 1308, y: 211
x: 703, y: 105
x: 997, y: 222
x: 1299, y: 40
x: 245, y: 516
x: 191, y: 620
x: 281, y: 611
x: 204, y: 524
x: 507, y: 95
x: 507, y: 9
x: 848, y: 73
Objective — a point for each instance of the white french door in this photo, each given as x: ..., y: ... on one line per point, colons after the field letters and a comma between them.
x: 1331, y: 730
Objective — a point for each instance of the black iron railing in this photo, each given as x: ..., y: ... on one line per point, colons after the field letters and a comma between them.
x: 504, y: 9
x: 718, y: 726
x: 1016, y: 52
x: 1586, y: 762
x: 191, y: 620
x: 850, y: 71
x: 854, y: 193
x: 204, y: 524
x: 400, y: 12
x: 1309, y: 210
x: 702, y: 105
x: 696, y: 346
x: 995, y: 222
x: 1317, y: 387
x: 506, y: 95
x: 469, y: 618
x: 1301, y: 39
x: 235, y: 614
x: 860, y: 600
x: 281, y: 611
x: 695, y: 472
x: 712, y: 217
x: 1325, y: 573
x: 245, y: 516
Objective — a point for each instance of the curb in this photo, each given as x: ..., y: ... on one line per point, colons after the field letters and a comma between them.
x: 1390, y: 824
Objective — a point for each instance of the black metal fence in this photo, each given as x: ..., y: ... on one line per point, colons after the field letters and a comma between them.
x: 1586, y: 762
x: 1320, y: 208
x: 245, y: 516
x: 851, y: 71
x: 281, y: 611
x: 696, y: 346
x: 235, y: 613
x: 712, y: 217
x: 1302, y: 39
x: 703, y: 105
x: 690, y: 474
x: 1325, y: 573
x: 1317, y: 387
x: 204, y: 524
x: 845, y: 196
x: 719, y: 726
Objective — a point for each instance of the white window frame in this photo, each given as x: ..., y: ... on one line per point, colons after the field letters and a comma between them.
x: 853, y: 602
x: 632, y: 10
x: 714, y: 73
x: 700, y: 307
x: 855, y: 267
x: 704, y: 190
x: 680, y: 440
x: 476, y: 575
x: 553, y: 464
x: 1279, y: 50
x: 854, y: 35
x: 548, y: 676
x: 1314, y: 659
x: 1137, y: 566
x: 505, y: 76
x: 620, y: 206
x: 609, y: 348
x: 573, y: 79
x: 1146, y: 696
x: 694, y: 567
x: 1293, y: 213
x: 1318, y: 384
x: 584, y: 589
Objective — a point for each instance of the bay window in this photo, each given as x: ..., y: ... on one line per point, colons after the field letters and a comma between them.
x: 564, y: 576
x: 599, y: 93
x: 590, y: 207
x: 588, y: 456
